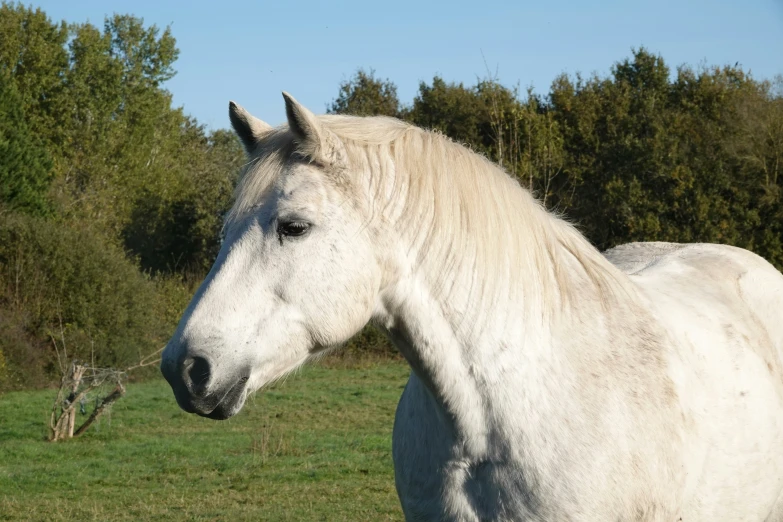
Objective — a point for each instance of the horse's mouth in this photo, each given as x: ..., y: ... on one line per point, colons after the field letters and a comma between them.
x: 230, y: 404
x: 219, y: 404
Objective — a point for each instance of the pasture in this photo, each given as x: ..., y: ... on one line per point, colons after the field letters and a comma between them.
x: 314, y: 447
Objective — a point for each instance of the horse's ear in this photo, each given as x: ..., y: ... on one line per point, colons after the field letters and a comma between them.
x: 249, y: 128
x: 314, y: 141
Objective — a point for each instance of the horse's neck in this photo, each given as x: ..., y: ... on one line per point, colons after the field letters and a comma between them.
x: 490, y: 286
x: 510, y: 348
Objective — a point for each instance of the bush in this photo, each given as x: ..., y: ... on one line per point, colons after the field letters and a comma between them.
x: 70, y: 287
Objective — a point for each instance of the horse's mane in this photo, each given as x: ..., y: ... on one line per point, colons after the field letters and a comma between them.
x: 456, y: 210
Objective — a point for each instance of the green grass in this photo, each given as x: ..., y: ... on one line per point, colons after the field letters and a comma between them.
x: 316, y: 447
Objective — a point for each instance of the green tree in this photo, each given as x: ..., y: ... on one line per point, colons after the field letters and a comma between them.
x: 181, y: 232
x: 25, y: 167
x: 32, y: 52
x: 453, y: 109
x: 132, y: 175
x: 366, y: 95
x: 621, y: 151
x: 537, y: 155
x: 521, y: 135
x: 123, y: 138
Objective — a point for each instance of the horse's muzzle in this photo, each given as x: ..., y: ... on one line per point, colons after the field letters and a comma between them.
x: 192, y: 378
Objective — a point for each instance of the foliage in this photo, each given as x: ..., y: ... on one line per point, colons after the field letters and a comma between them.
x: 455, y: 110
x: 25, y: 167
x: 519, y: 134
x: 179, y: 230
x: 634, y: 156
x: 70, y: 286
x: 683, y: 160
x: 33, y: 53
x: 366, y: 95
x: 133, y: 186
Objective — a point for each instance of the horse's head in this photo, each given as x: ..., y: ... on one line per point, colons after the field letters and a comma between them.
x: 298, y: 271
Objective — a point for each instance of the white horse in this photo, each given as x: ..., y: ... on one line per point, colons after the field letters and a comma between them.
x: 549, y: 382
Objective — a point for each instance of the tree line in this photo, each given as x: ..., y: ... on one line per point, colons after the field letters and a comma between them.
x: 111, y: 199
x: 642, y: 154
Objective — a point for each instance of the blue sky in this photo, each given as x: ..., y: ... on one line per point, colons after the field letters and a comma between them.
x: 251, y: 51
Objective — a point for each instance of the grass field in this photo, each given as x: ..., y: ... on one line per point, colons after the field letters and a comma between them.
x: 316, y: 447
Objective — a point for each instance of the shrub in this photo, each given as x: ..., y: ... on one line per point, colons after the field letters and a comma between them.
x: 68, y: 288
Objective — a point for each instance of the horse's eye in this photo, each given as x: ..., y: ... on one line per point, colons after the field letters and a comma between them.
x: 292, y: 228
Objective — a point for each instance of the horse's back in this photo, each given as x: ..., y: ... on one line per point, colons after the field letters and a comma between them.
x: 634, y: 257
x: 723, y: 309
x: 734, y: 280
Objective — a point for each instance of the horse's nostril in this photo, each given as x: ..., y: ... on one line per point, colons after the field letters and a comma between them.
x: 197, y: 375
